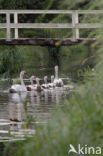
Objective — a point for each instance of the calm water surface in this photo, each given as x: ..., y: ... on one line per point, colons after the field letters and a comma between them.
x: 16, y: 110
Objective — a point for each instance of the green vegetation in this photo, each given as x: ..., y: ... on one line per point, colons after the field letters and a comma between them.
x: 10, y: 61
x: 80, y: 120
x: 14, y: 59
x: 30, y: 58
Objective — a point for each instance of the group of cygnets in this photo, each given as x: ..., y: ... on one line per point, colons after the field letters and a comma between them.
x: 55, y: 82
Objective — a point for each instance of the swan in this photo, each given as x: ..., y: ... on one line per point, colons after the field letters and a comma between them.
x: 45, y: 85
x: 38, y: 87
x: 32, y: 86
x: 18, y: 98
x: 51, y: 85
x: 57, y: 81
x: 19, y: 87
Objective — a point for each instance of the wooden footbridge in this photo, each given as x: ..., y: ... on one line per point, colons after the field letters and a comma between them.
x: 75, y: 27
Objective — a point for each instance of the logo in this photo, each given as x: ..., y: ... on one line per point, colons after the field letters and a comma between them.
x: 84, y: 149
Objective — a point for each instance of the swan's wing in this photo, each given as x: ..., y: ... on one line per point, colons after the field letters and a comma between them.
x: 61, y: 81
x: 58, y: 81
x: 23, y: 89
x: 51, y: 85
x: 32, y: 87
x: 18, y: 87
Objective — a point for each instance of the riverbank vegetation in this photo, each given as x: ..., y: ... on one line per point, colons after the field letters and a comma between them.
x: 30, y: 58
x: 80, y: 119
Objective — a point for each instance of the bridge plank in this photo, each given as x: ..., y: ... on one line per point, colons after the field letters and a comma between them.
x: 37, y: 11
x: 51, y: 11
x: 44, y: 42
x: 51, y: 25
x: 40, y: 25
x: 89, y: 25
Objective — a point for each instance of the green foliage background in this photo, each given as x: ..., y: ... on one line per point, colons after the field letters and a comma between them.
x: 80, y: 120
x: 16, y: 58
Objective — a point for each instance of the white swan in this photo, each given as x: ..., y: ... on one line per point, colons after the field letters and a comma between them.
x: 38, y: 87
x: 51, y: 85
x: 18, y: 98
x: 17, y: 87
x: 45, y: 85
x: 32, y: 86
x: 57, y: 81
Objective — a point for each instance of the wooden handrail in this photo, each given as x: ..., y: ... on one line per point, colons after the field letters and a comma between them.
x: 51, y: 11
x: 75, y: 25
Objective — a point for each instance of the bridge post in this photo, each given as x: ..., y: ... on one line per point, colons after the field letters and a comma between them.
x: 8, y: 36
x: 16, y: 21
x: 75, y: 21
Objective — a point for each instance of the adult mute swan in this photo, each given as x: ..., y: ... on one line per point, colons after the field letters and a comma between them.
x: 19, y: 87
x: 45, y: 85
x: 57, y: 81
x: 32, y: 86
x: 38, y: 87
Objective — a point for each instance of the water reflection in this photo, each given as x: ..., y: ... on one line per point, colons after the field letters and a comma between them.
x: 19, y: 112
x: 16, y: 106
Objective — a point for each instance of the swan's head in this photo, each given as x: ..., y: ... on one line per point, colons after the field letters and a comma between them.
x: 45, y: 79
x: 37, y: 79
x: 23, y: 73
x: 56, y: 67
x: 52, y: 78
x: 33, y: 77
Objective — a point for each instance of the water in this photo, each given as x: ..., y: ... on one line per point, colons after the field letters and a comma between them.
x: 20, y: 112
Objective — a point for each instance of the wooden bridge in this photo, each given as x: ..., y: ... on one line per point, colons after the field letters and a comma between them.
x: 75, y: 27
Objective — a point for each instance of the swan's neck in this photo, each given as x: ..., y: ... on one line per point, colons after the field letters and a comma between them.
x: 21, y: 79
x: 46, y: 81
x: 56, y: 73
x: 37, y: 82
x: 52, y: 80
x: 31, y: 80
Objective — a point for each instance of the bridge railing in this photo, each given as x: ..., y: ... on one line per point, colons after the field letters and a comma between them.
x: 75, y: 25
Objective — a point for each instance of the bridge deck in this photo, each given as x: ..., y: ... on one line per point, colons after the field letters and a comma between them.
x: 45, y: 42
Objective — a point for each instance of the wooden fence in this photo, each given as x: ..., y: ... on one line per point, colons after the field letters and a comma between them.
x: 75, y: 25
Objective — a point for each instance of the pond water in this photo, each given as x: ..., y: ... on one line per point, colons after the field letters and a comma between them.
x: 20, y: 112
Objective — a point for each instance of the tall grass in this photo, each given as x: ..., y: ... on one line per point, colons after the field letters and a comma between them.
x: 10, y: 61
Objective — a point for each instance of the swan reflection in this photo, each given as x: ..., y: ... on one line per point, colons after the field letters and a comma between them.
x: 16, y: 106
